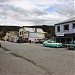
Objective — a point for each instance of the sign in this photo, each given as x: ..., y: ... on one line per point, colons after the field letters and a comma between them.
x: 59, y: 34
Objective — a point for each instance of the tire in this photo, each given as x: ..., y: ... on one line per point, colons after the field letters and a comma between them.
x: 74, y: 48
x: 0, y: 45
x: 45, y: 45
x: 67, y: 48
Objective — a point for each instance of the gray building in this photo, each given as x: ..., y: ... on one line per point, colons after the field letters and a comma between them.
x: 65, y: 31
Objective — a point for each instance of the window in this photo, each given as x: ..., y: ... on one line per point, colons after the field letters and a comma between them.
x: 20, y: 33
x: 72, y: 42
x: 66, y: 27
x: 73, y: 25
x: 58, y: 28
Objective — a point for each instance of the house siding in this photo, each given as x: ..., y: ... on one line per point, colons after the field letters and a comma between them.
x: 30, y: 34
x: 71, y: 30
x: 67, y: 33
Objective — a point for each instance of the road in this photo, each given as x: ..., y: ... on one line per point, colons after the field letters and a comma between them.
x: 11, y: 65
x: 35, y: 59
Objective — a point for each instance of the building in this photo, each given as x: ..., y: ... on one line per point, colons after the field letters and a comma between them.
x: 65, y: 31
x: 21, y: 31
x: 4, y: 29
x: 28, y: 33
x: 12, y: 36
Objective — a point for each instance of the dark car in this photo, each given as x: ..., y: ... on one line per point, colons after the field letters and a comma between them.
x: 40, y: 41
x: 71, y: 45
x: 20, y: 41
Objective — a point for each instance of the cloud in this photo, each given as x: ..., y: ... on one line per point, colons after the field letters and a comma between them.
x: 19, y: 14
x: 35, y: 12
x: 65, y: 8
x: 3, y: 1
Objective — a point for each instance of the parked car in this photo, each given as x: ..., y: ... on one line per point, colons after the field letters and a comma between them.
x: 40, y: 41
x: 20, y: 40
x: 0, y: 43
x: 52, y: 43
x: 71, y: 45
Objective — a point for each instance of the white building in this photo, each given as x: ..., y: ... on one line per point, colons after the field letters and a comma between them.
x: 31, y: 33
x: 65, y: 31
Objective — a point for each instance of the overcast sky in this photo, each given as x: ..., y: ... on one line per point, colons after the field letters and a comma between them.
x: 35, y: 12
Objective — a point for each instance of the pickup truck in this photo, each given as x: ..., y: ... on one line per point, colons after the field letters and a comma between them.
x: 71, y: 45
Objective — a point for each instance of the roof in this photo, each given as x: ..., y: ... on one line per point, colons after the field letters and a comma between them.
x: 35, y: 35
x: 67, y: 21
x: 40, y: 30
x: 29, y: 29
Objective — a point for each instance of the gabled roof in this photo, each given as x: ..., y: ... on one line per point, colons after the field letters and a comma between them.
x: 35, y: 35
x: 67, y: 21
x: 40, y: 30
x: 29, y: 29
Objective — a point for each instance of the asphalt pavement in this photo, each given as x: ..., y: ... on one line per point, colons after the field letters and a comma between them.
x: 50, y: 61
x: 11, y: 65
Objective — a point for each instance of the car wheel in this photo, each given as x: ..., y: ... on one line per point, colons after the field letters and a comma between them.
x: 0, y: 45
x: 74, y: 49
x: 67, y: 48
x: 45, y: 45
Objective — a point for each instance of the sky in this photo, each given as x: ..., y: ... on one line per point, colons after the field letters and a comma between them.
x: 35, y: 12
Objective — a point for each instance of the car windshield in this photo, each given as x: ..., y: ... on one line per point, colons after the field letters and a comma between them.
x: 72, y: 42
x: 51, y: 41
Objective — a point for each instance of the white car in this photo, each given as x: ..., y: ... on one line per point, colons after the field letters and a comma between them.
x: 0, y: 43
